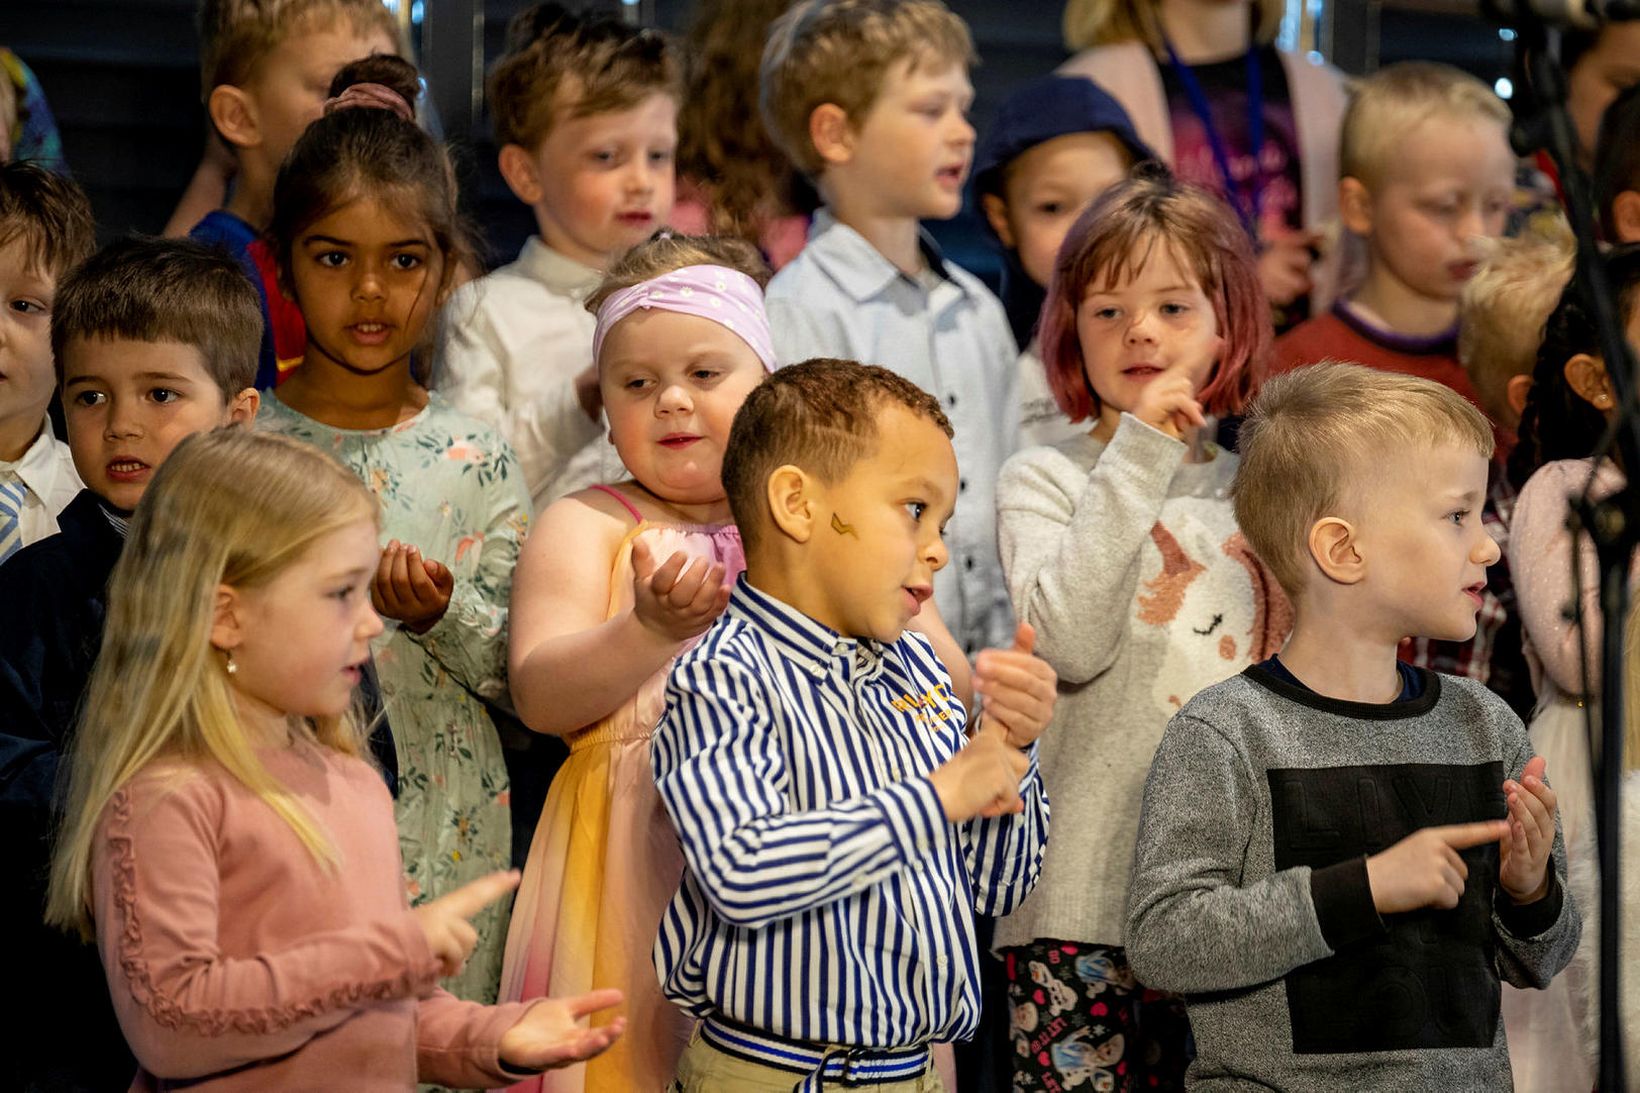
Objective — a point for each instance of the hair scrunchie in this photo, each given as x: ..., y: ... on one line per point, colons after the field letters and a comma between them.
x: 373, y: 96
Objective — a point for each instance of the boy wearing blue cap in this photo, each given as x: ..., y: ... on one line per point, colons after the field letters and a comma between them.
x: 1058, y: 142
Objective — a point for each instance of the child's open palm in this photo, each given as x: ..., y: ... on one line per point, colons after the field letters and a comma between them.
x: 550, y: 1034
x: 412, y: 589
x: 1526, y: 850
x: 679, y: 599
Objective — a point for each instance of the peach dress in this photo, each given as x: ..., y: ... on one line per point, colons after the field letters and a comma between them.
x: 605, y: 861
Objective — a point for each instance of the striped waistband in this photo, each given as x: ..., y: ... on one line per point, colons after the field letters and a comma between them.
x: 816, y: 1063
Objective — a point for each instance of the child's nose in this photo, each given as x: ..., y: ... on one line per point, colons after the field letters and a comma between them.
x: 121, y: 420
x: 1140, y: 328
x: 369, y: 285
x: 371, y: 624
x: 936, y: 554
x: 1487, y: 551
x: 673, y: 398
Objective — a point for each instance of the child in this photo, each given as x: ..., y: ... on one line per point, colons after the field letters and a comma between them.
x: 1617, y: 169
x: 1340, y: 856
x: 1426, y: 173
x: 1501, y: 316
x: 1057, y: 143
x: 45, y: 230
x: 732, y: 180
x: 614, y: 583
x: 870, y: 98
x: 585, y: 113
x: 1224, y: 108
x: 265, y: 66
x: 837, y: 830
x: 154, y: 340
x: 226, y: 838
x: 367, y: 235
x: 1121, y: 550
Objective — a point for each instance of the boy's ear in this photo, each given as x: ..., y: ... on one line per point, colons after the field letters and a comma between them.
x: 1334, y: 550
x: 831, y: 134
x: 1626, y: 216
x: 791, y: 496
x: 241, y: 409
x: 226, y: 626
x: 234, y: 114
x: 518, y: 169
x: 996, y: 213
x: 1587, y: 376
x: 1515, y: 392
x: 1355, y: 206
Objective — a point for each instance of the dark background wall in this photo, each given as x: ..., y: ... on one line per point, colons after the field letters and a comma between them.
x: 121, y: 76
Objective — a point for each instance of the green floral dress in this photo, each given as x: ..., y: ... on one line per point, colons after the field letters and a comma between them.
x: 449, y: 486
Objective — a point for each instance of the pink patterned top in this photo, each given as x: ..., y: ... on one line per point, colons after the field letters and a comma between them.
x: 237, y: 962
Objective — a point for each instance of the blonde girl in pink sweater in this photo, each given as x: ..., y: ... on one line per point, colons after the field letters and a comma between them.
x: 227, y: 840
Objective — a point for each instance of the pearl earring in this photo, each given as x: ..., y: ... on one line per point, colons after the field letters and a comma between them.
x: 228, y: 655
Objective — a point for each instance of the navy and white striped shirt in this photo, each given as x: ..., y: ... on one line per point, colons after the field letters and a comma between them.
x: 826, y: 899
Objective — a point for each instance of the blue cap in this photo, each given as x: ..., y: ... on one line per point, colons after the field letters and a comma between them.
x: 1045, y: 108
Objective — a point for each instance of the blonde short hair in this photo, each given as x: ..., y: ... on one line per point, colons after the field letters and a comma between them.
x: 1504, y: 308
x: 839, y: 51
x: 1386, y: 105
x: 1311, y: 432
x: 1089, y: 23
x: 235, y: 36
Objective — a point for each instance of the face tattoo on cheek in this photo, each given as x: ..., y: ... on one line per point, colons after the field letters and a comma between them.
x: 841, y: 528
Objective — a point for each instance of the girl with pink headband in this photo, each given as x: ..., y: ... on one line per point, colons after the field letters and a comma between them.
x: 614, y: 583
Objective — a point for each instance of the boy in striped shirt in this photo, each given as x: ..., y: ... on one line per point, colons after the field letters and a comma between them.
x: 839, y: 820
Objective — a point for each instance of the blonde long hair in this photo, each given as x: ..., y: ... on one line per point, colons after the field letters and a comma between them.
x: 230, y: 507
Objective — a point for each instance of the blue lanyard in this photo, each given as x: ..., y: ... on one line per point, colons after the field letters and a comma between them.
x: 1247, y: 209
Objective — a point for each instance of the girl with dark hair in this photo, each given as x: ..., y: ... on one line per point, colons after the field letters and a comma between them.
x: 367, y: 237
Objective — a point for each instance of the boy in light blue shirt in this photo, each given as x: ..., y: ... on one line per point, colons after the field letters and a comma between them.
x: 870, y: 99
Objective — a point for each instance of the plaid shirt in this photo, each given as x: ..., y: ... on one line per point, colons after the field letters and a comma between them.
x: 1493, y: 656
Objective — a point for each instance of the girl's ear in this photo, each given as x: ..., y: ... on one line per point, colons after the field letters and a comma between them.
x: 1586, y: 375
x: 227, y: 630
x: 790, y: 493
x: 1355, y: 206
x: 1515, y: 393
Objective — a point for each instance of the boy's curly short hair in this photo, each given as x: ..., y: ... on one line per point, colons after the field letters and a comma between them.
x: 839, y: 51
x: 820, y: 415
x: 561, y: 65
x: 237, y: 35
x: 49, y: 214
x: 165, y: 290
x: 1313, y: 435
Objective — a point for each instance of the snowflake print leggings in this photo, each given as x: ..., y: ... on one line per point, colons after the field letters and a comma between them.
x: 1079, y: 1022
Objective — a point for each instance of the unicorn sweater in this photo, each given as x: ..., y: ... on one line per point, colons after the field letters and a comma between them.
x: 1127, y: 561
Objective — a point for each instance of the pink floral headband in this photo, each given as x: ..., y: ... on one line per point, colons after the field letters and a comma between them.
x: 719, y: 293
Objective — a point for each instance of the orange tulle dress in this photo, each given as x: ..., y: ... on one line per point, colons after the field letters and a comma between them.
x: 605, y: 862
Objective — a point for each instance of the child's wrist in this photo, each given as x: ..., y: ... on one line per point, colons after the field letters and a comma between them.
x: 1532, y: 897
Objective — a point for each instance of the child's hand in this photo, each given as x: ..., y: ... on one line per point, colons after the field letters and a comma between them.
x: 1530, y: 843
x: 1168, y: 402
x: 1016, y: 689
x: 444, y: 921
x: 1424, y: 869
x: 410, y: 588
x: 983, y: 778
x: 1284, y: 263
x: 681, y: 598
x: 548, y: 1035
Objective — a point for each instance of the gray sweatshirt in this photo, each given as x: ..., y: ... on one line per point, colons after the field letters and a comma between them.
x: 1250, y: 894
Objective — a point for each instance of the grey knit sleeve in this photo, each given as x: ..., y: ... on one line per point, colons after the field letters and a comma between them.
x: 1192, y: 925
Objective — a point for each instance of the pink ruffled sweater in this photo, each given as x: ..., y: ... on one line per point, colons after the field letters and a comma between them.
x: 237, y: 962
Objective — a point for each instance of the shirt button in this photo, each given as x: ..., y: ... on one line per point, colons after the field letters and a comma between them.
x: 968, y: 563
x: 944, y: 960
x: 962, y: 485
x: 950, y: 400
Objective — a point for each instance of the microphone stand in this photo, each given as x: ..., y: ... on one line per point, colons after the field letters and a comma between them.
x: 1613, y: 523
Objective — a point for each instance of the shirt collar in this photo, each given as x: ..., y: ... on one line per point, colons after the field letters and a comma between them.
x: 40, y: 464
x: 816, y: 646
x: 560, y: 273
x: 860, y: 268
